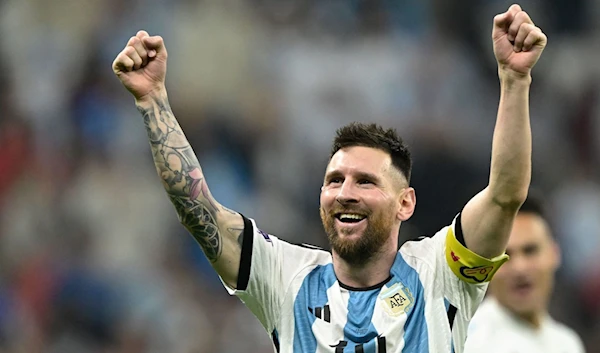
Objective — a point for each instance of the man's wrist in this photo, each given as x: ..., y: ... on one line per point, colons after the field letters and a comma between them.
x: 151, y: 97
x: 513, y: 79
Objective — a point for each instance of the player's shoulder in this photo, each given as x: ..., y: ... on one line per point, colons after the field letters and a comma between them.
x: 421, y: 253
x: 289, y: 250
x: 566, y: 334
x: 306, y: 251
x: 485, y: 328
x: 304, y: 247
x: 425, y: 245
x: 489, y: 318
x: 487, y: 312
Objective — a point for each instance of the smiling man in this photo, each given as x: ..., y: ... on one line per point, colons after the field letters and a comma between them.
x: 515, y: 317
x: 367, y: 294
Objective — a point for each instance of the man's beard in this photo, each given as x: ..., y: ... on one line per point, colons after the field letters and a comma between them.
x: 363, y: 248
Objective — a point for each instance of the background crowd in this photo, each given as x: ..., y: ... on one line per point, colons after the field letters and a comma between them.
x: 92, y: 257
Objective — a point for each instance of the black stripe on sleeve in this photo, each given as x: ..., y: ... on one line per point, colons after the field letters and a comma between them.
x: 458, y: 233
x: 275, y: 339
x: 318, y: 312
x: 326, y: 314
x: 246, y: 257
x: 381, y: 345
x: 451, y: 314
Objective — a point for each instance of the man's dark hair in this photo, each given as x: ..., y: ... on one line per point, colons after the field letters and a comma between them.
x: 375, y: 136
x: 533, y: 204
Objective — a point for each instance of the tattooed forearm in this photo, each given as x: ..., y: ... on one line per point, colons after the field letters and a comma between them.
x: 182, y: 176
x: 174, y: 158
x: 200, y: 222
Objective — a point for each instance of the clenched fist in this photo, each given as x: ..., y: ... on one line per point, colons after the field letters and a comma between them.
x: 518, y: 43
x: 142, y: 65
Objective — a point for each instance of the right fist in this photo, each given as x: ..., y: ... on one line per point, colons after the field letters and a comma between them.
x: 142, y: 65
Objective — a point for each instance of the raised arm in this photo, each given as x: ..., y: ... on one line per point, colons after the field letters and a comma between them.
x: 141, y: 67
x: 487, y: 218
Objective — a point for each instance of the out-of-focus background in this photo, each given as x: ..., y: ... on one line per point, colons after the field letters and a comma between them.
x: 92, y: 257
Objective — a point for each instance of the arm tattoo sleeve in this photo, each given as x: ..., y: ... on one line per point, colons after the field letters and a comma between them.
x: 182, y: 176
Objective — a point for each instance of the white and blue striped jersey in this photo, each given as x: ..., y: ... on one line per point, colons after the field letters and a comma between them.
x: 422, y: 307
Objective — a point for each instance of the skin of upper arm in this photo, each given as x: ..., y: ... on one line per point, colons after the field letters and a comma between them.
x: 486, y: 225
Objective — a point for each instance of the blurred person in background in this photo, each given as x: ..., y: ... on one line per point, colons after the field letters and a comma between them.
x: 514, y: 317
x: 365, y: 295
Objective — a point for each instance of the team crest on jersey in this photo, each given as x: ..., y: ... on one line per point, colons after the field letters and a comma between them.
x: 396, y: 300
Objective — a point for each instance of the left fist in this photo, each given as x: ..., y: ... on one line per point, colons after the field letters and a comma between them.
x: 518, y: 43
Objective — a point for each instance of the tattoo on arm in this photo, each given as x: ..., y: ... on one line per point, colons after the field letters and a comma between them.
x: 201, y: 223
x: 182, y: 177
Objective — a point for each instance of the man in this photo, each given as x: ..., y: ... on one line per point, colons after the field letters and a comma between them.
x: 366, y: 295
x: 515, y: 318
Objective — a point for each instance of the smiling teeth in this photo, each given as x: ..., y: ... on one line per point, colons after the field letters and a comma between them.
x: 351, y: 216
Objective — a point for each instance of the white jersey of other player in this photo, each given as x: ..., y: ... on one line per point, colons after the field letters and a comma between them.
x: 495, y: 330
x: 424, y: 305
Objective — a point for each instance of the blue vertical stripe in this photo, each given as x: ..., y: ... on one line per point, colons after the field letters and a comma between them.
x: 415, y: 329
x: 312, y: 294
x: 359, y: 328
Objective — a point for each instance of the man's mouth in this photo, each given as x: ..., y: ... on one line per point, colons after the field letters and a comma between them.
x: 523, y: 287
x: 349, y: 217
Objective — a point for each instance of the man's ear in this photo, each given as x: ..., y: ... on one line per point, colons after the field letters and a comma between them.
x: 557, y: 254
x: 407, y: 201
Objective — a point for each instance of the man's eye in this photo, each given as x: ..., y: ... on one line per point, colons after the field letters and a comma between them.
x: 335, y: 181
x: 365, y: 182
x: 531, y: 250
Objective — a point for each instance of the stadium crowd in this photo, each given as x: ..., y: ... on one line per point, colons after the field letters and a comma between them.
x: 92, y: 257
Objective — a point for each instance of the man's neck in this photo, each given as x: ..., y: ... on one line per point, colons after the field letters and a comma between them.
x: 375, y: 271
x: 532, y: 319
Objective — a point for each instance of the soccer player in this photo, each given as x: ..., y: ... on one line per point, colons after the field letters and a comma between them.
x: 514, y: 318
x: 366, y: 295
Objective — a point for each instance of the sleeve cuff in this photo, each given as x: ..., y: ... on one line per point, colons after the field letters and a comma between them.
x: 246, y: 257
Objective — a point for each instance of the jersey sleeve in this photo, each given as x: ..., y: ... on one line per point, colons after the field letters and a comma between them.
x: 462, y: 275
x: 268, y: 266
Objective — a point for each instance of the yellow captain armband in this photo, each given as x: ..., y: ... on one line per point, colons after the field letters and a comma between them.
x: 467, y: 265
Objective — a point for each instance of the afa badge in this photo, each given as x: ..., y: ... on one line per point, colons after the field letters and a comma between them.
x: 396, y: 300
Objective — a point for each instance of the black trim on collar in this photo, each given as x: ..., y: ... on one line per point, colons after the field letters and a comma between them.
x: 364, y: 289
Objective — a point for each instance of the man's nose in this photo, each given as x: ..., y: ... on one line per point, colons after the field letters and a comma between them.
x: 519, y: 263
x: 347, y: 193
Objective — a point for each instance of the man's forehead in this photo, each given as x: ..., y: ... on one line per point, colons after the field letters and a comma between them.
x: 360, y: 157
x: 528, y: 228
